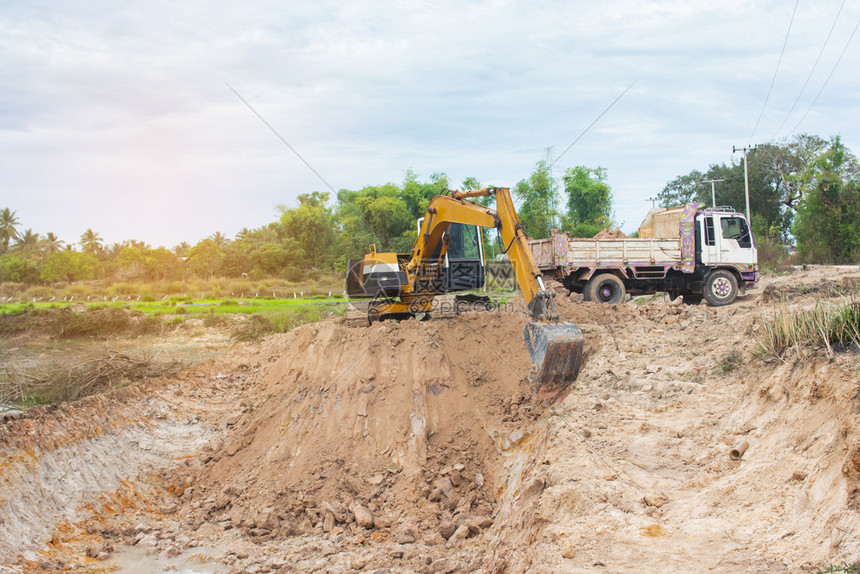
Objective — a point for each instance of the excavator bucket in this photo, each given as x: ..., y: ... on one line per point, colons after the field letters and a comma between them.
x: 556, y: 353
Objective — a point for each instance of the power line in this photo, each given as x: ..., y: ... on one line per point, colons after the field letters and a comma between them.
x: 809, y: 77
x: 592, y: 123
x: 828, y: 77
x: 298, y: 155
x: 773, y: 81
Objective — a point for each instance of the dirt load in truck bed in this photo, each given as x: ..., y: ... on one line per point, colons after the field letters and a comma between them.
x: 417, y: 447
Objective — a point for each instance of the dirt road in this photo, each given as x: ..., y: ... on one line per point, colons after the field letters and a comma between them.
x: 418, y: 447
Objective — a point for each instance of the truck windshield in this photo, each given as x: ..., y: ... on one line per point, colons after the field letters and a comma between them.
x: 736, y: 228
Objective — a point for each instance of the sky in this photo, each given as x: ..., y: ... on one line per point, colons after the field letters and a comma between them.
x: 120, y: 117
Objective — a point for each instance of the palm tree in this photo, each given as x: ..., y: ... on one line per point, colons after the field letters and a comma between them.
x: 27, y: 241
x: 115, y: 248
x: 182, y: 249
x: 8, y: 224
x: 52, y: 243
x: 91, y: 241
x: 244, y: 234
x: 219, y: 238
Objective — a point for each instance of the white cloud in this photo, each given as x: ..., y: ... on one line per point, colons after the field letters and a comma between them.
x: 115, y: 116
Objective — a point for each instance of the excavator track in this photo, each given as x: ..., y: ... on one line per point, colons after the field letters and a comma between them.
x: 356, y: 313
x: 362, y: 312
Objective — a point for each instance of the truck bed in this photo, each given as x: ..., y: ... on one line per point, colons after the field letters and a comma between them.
x: 560, y: 251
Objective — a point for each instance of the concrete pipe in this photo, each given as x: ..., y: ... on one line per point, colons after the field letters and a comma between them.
x: 739, y: 450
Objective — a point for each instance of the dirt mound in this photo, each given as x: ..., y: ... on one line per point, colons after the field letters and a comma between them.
x: 607, y: 233
x: 397, y: 429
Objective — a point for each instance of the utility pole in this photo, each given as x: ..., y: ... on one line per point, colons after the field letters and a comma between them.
x: 713, y: 191
x: 746, y: 176
x: 653, y: 201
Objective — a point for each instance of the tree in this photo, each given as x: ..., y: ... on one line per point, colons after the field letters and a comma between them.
x: 182, y: 249
x: 827, y: 226
x: 471, y: 183
x: 69, y: 265
x: 589, y: 201
x: 52, y: 243
x: 538, y: 197
x: 131, y: 261
x: 8, y: 227
x: 27, y: 241
x: 205, y: 258
x: 375, y: 214
x: 220, y: 239
x: 91, y: 242
x: 683, y: 189
x: 799, y: 163
x: 417, y: 195
x: 311, y: 226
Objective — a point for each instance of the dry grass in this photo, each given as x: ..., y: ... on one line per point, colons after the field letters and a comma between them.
x: 830, y: 326
x: 100, y: 290
x: 59, y: 381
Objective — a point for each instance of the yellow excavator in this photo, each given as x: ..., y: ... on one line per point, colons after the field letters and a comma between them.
x: 403, y: 285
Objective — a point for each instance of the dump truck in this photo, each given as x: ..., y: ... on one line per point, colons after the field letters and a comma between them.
x: 687, y: 251
x: 404, y: 285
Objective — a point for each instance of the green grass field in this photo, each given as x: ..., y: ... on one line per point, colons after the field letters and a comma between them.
x: 186, y: 306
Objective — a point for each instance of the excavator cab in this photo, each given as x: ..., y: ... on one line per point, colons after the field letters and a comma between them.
x: 464, y: 258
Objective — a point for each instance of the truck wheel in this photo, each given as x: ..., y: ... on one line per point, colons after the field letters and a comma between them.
x: 605, y: 288
x: 721, y: 288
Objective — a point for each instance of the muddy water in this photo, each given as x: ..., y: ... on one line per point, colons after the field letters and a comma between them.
x: 199, y: 560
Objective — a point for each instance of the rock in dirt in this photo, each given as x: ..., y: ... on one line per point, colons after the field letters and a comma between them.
x: 148, y: 541
x: 461, y: 533
x: 442, y: 566
x: 100, y: 551
x: 655, y: 499
x: 241, y: 549
x: 363, y: 516
x: 433, y: 539
x: 447, y: 529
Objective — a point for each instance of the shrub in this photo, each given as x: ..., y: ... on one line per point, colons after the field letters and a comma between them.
x: 124, y: 289
x: 254, y: 328
x: 831, y: 326
x: 63, y: 382
x: 146, y: 325
x: 68, y: 323
x: 731, y: 361
x: 77, y: 291
x: 171, y: 287
x: 292, y: 274
x: 772, y: 255
x: 38, y: 292
x: 215, y: 320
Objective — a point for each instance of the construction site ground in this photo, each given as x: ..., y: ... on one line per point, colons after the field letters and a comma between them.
x: 420, y: 447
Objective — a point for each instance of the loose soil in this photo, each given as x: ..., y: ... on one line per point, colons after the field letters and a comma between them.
x: 419, y: 447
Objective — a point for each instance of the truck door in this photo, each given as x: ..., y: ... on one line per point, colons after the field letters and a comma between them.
x: 710, y: 249
x: 735, y: 241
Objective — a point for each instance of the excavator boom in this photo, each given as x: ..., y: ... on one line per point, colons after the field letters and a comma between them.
x: 406, y: 284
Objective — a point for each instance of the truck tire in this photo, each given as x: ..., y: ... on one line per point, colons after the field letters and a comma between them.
x: 721, y: 288
x: 605, y: 288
